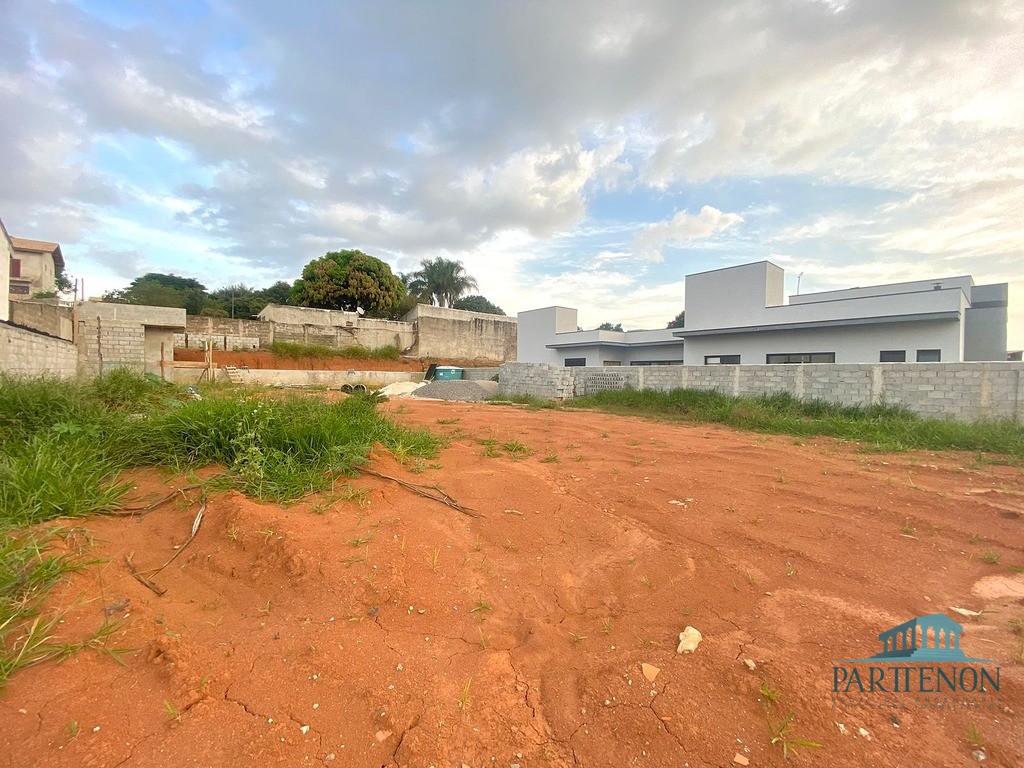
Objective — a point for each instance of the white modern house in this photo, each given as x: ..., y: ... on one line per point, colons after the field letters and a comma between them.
x: 739, y: 315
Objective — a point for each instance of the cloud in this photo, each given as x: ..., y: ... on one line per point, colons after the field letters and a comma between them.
x: 681, y: 229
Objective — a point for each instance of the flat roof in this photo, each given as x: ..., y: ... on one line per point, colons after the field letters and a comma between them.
x: 882, y: 319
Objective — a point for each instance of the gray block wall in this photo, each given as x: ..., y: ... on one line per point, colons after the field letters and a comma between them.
x: 27, y: 353
x: 962, y: 391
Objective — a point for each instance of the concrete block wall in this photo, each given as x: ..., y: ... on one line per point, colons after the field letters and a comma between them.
x: 107, y: 344
x: 221, y: 342
x: 543, y: 380
x: 365, y: 332
x: 223, y: 326
x: 480, y: 374
x: 48, y: 317
x: 28, y: 353
x: 962, y: 391
x: 443, y: 332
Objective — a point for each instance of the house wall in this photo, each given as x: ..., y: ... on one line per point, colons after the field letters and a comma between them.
x: 961, y: 391
x: 538, y: 328
x: 28, y: 353
x: 38, y: 269
x: 5, y: 273
x: 851, y: 344
x: 985, y: 323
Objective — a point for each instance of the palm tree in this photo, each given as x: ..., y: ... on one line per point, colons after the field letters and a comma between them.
x: 441, y: 281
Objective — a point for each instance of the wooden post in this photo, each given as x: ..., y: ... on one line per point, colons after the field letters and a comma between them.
x: 99, y: 341
x: 163, y: 360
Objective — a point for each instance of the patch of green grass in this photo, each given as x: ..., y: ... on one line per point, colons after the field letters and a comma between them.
x: 293, y: 351
x: 990, y: 557
x: 779, y: 732
x: 516, y: 449
x: 66, y: 443
x: 886, y: 427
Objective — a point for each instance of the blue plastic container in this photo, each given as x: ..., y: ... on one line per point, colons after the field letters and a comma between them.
x: 447, y: 373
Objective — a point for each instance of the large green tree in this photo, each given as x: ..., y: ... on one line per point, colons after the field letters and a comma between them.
x: 441, y: 281
x: 609, y: 327
x: 678, y: 321
x: 159, y: 290
x: 348, y: 280
x: 478, y: 304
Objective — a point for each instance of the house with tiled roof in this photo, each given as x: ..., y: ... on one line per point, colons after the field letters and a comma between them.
x: 34, y: 267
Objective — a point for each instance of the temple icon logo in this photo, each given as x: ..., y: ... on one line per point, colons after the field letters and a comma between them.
x: 931, y: 638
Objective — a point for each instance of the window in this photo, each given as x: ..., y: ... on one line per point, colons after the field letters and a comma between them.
x: 15, y: 268
x: 721, y: 359
x: 892, y: 356
x: 801, y: 357
x: 929, y: 355
x: 573, y: 362
x: 656, y: 362
x: 612, y: 363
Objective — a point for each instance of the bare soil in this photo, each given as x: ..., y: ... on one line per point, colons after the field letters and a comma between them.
x: 394, y: 631
x: 270, y: 361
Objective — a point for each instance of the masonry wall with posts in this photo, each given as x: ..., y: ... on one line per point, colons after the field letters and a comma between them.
x: 962, y: 391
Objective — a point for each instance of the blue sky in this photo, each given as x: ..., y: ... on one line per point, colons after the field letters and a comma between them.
x: 584, y: 153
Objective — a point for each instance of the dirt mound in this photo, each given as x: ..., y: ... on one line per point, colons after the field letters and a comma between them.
x: 374, y: 627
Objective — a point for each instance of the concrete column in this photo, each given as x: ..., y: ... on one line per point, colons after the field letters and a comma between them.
x: 877, y: 394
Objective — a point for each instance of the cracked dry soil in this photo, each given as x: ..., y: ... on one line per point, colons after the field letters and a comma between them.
x: 389, y: 630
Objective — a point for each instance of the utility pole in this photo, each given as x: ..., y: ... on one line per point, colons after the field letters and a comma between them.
x: 798, y: 283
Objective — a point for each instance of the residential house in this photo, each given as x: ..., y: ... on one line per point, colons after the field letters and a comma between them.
x: 739, y: 315
x: 34, y: 267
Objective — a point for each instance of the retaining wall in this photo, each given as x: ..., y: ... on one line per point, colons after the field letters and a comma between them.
x: 962, y: 391
x: 443, y: 332
x: 24, y: 352
x: 332, y: 379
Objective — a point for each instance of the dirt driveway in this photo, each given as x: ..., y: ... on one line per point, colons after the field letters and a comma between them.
x: 387, y: 629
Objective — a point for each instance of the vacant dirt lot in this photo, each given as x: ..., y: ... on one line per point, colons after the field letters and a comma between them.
x: 387, y: 629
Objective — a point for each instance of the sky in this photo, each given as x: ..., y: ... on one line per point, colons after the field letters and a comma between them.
x: 585, y: 153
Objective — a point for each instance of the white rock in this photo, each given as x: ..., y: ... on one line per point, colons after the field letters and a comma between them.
x: 864, y: 733
x: 750, y: 664
x: 979, y: 755
x: 689, y: 639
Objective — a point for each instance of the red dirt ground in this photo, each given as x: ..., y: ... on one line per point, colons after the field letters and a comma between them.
x: 368, y: 622
x: 270, y: 361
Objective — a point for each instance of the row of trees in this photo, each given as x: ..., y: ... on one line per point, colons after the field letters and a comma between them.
x: 349, y: 280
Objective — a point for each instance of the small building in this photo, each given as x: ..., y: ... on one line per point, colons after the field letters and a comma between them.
x: 34, y: 267
x: 550, y: 335
x: 739, y: 315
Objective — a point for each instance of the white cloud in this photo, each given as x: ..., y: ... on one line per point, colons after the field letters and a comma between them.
x: 681, y: 229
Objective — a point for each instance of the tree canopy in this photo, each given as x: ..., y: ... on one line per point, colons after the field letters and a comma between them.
x: 609, y: 327
x: 348, y: 280
x: 677, y: 321
x: 477, y: 304
x: 440, y: 281
x: 159, y: 290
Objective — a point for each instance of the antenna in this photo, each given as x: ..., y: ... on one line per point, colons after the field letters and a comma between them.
x: 798, y: 283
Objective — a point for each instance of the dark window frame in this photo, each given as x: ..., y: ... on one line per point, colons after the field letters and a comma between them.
x: 722, y: 359
x: 928, y: 353
x: 809, y: 355
x: 575, y: 362
x: 900, y: 353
